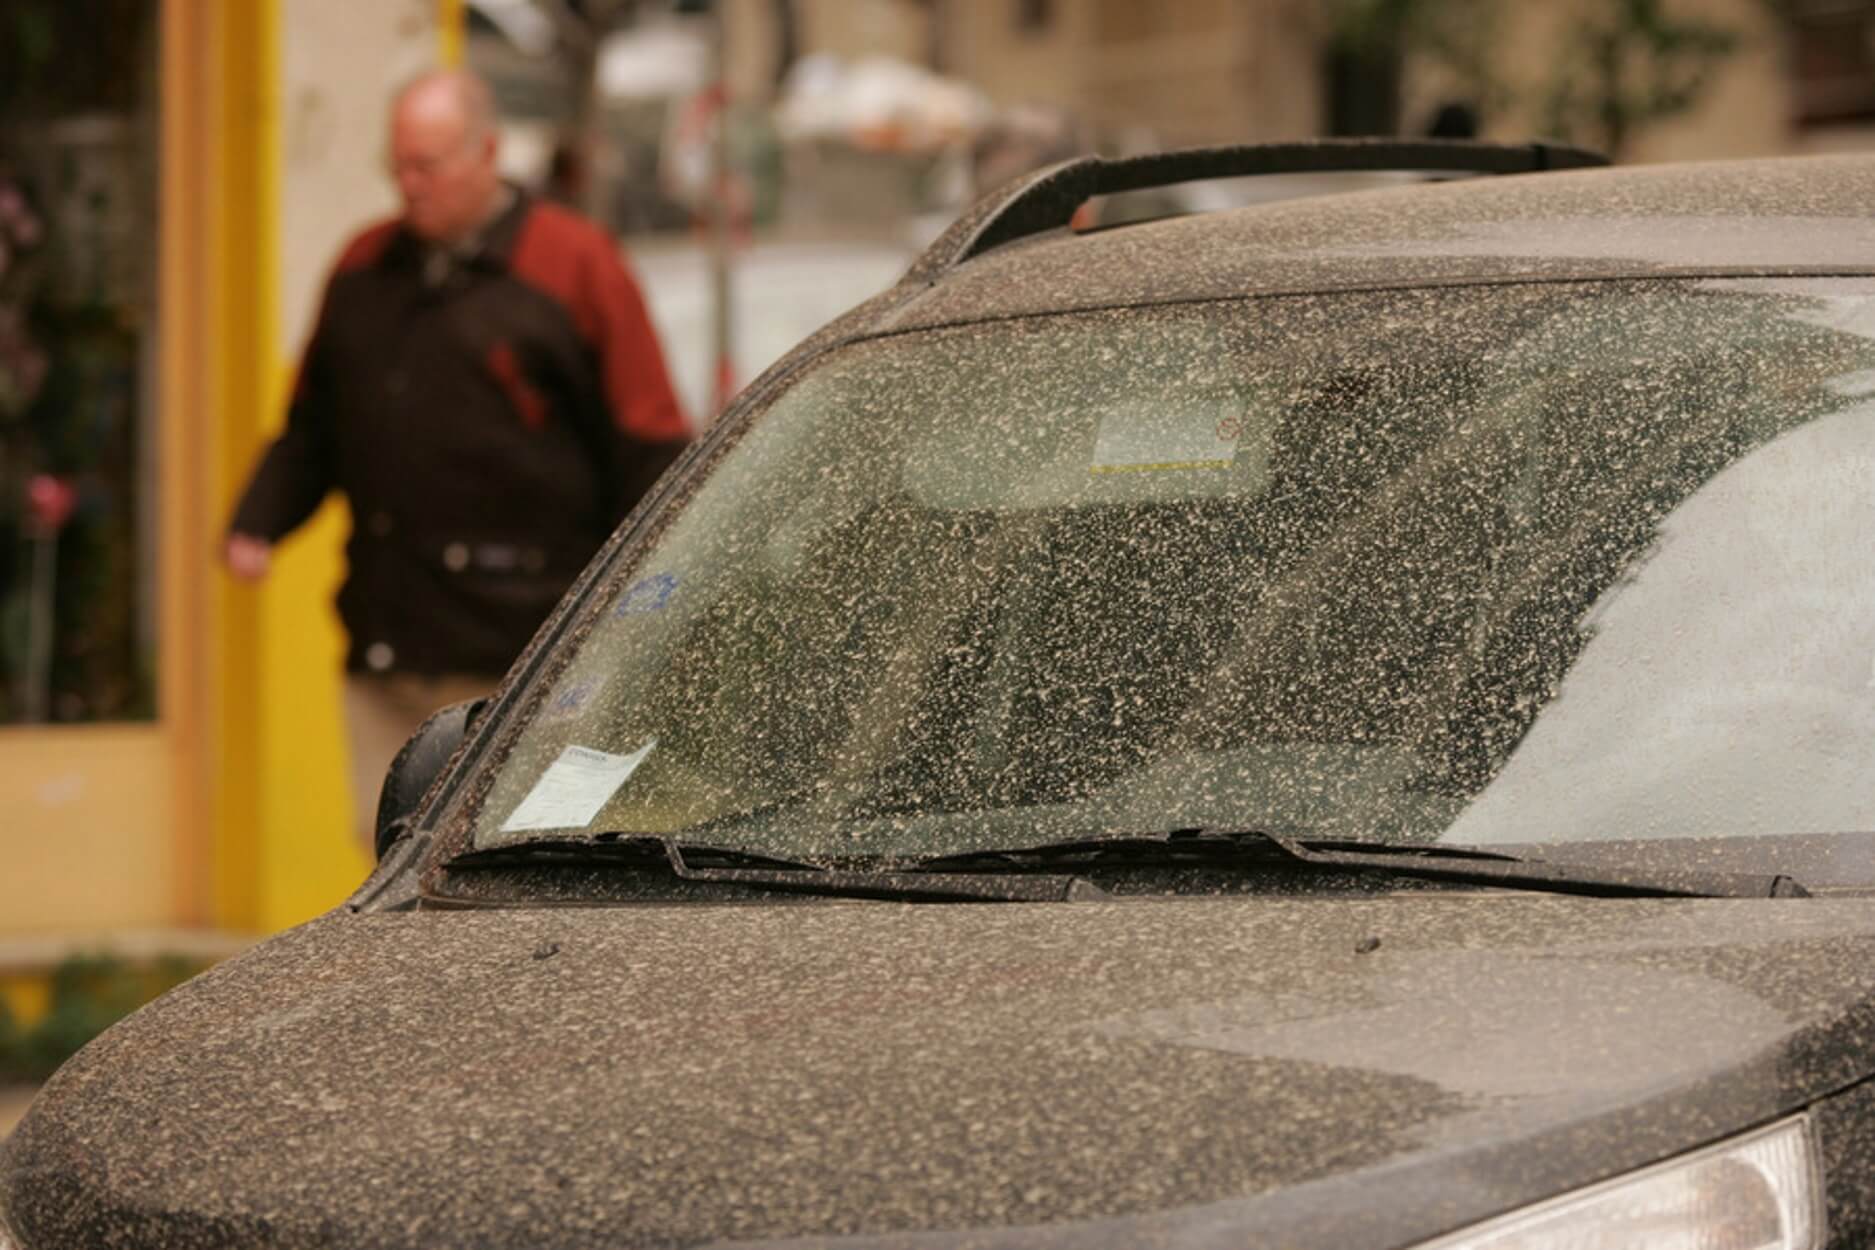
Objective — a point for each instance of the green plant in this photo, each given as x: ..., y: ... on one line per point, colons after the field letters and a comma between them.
x: 89, y: 993
x: 1628, y: 64
x: 1462, y: 38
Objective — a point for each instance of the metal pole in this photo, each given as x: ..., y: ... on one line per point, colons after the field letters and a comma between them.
x: 722, y: 314
x: 39, y: 626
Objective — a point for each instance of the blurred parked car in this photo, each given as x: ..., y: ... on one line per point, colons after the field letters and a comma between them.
x: 1342, y: 723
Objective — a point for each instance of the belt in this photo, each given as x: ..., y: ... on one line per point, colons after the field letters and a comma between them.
x: 460, y: 557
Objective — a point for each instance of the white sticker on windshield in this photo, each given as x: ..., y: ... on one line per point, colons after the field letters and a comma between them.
x: 574, y: 787
x: 1192, y: 438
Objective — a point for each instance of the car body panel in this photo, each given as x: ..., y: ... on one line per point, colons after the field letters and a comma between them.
x: 1787, y: 216
x: 1184, y: 1072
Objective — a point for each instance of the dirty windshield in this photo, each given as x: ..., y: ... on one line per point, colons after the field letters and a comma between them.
x: 1507, y: 563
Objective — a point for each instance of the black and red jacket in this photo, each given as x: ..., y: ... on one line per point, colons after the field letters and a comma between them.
x: 489, y: 431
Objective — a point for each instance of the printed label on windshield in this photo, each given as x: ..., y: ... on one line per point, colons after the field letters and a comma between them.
x: 1137, y: 442
x: 574, y: 787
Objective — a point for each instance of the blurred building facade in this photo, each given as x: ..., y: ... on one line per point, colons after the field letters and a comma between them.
x: 182, y: 785
x: 1649, y: 79
x: 1698, y: 79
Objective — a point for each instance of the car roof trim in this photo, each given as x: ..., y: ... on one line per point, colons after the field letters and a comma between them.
x: 1048, y: 198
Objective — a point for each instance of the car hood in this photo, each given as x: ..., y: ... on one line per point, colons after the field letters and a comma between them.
x: 1356, y: 1073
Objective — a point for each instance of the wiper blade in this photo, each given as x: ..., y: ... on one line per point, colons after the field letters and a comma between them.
x: 1463, y: 865
x: 1190, y: 845
x: 627, y: 847
x: 689, y: 861
x: 1508, y: 871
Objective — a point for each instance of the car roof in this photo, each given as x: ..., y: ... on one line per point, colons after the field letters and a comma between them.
x: 1780, y: 216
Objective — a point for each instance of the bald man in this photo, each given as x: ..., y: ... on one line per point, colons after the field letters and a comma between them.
x: 485, y: 388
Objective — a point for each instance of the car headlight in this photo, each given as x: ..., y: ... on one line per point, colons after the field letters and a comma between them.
x: 1761, y: 1191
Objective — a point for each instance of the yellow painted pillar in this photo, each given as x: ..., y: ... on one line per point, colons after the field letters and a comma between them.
x: 188, y: 295
x: 244, y: 271
x: 450, y: 26
x: 285, y: 851
x: 288, y: 847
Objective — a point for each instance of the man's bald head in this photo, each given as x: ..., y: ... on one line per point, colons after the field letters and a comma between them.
x: 456, y: 93
x: 443, y: 153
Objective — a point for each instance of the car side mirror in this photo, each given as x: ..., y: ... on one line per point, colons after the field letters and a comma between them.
x: 419, y: 764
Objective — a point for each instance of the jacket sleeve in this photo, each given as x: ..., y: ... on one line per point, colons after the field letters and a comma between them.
x: 648, y: 429
x: 637, y: 386
x: 298, y: 468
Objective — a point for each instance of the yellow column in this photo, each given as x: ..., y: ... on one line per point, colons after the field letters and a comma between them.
x: 287, y: 785
x: 186, y: 674
x: 246, y: 277
x: 450, y: 26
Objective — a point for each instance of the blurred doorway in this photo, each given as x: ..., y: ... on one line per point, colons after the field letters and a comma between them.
x: 106, y: 197
x: 79, y: 121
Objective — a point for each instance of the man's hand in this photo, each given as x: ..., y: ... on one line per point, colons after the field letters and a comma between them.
x: 248, y: 557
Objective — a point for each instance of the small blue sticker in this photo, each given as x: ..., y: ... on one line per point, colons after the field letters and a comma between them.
x: 648, y: 594
x: 573, y: 698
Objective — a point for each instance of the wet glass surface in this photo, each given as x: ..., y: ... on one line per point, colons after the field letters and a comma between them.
x: 1508, y: 563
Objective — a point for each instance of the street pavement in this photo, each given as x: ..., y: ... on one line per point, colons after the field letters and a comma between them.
x: 782, y: 291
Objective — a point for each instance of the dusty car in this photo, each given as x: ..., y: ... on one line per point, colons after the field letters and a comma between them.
x: 1342, y: 723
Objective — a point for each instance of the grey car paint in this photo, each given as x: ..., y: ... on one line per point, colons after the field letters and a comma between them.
x: 1790, y: 216
x: 1178, y: 1073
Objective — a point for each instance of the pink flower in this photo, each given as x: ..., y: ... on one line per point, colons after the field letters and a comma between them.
x: 50, y: 501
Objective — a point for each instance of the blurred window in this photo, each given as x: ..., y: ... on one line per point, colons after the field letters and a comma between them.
x: 1361, y: 87
x: 1034, y: 16
x: 78, y: 127
x: 1832, y: 51
x: 1123, y: 21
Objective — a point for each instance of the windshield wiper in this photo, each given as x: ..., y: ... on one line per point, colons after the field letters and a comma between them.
x: 627, y: 847
x: 690, y: 861
x: 1458, y: 864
